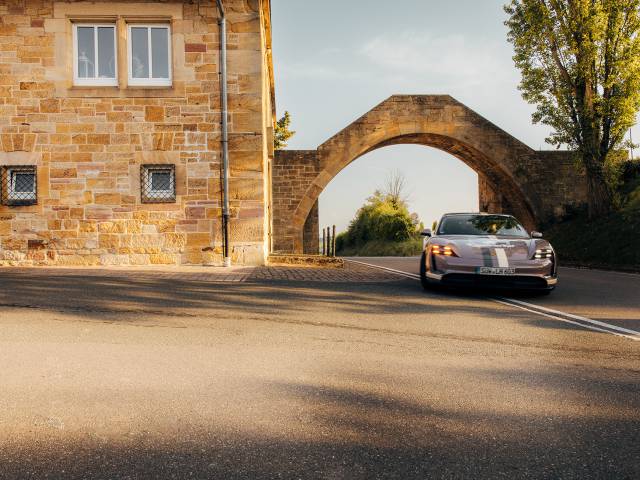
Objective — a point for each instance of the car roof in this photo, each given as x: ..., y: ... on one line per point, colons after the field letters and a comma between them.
x: 477, y: 213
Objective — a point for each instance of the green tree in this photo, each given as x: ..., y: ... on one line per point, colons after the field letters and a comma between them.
x: 580, y: 66
x: 282, y: 133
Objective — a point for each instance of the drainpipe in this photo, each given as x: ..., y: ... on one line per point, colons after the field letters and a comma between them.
x: 222, y: 22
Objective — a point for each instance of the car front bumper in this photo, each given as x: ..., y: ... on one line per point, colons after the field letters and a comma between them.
x: 475, y: 280
x: 528, y: 275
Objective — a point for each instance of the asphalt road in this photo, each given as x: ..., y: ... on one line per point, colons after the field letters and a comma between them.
x: 136, y: 378
x: 612, y: 297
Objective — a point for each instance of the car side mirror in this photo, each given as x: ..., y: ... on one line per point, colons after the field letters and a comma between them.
x: 426, y: 232
x: 536, y: 235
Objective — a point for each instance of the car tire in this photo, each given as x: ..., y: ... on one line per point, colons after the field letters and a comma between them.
x: 423, y: 273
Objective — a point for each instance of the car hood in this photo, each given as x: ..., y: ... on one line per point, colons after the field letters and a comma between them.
x: 484, y: 247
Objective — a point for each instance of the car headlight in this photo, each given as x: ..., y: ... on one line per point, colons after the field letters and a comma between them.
x: 542, y: 253
x: 447, y: 251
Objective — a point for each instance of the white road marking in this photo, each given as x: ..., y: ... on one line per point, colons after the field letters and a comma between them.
x: 575, y: 317
x: 503, y: 261
x: 561, y: 319
x: 392, y: 270
x: 589, y: 323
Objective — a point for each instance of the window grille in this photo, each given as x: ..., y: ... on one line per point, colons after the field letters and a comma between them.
x: 19, y: 185
x: 158, y: 183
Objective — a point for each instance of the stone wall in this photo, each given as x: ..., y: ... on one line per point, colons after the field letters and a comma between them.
x: 88, y: 143
x: 293, y: 173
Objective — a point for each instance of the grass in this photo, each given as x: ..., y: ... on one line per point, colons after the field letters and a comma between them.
x: 378, y: 248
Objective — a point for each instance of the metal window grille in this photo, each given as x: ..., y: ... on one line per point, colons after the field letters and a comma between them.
x: 158, y: 183
x: 19, y: 185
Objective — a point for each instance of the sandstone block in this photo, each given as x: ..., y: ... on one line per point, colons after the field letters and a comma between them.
x: 153, y: 114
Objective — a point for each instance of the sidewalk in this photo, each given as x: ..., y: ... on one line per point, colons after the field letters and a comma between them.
x: 350, y: 273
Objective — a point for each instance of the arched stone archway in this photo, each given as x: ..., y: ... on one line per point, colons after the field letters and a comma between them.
x: 513, y: 177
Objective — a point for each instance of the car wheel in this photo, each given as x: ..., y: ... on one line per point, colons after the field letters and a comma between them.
x: 423, y: 272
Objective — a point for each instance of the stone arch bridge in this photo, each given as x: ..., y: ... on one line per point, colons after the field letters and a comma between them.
x: 513, y: 178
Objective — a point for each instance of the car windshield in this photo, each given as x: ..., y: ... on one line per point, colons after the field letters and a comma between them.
x: 481, y: 225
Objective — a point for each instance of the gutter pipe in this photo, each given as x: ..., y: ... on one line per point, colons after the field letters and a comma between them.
x: 222, y: 22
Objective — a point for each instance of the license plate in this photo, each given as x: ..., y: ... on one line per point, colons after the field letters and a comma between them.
x: 496, y: 271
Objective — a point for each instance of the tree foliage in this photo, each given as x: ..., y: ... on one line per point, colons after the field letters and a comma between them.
x: 580, y: 66
x: 282, y: 132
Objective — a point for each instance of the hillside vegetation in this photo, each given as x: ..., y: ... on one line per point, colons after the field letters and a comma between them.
x: 611, y: 241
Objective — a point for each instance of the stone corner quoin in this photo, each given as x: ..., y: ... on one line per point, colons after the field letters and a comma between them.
x: 88, y: 145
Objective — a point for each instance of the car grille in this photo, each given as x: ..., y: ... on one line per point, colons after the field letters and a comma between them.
x: 494, y: 281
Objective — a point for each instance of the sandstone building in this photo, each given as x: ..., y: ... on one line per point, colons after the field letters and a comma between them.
x: 110, y: 131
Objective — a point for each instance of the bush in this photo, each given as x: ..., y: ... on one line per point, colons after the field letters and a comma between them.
x: 383, y: 220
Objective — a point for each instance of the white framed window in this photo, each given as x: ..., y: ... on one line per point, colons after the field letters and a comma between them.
x: 19, y: 185
x: 149, y: 55
x: 95, y: 56
x: 158, y: 183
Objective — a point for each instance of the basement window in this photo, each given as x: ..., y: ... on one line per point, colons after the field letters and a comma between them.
x: 158, y: 183
x: 19, y: 185
x: 95, y: 60
x: 149, y: 55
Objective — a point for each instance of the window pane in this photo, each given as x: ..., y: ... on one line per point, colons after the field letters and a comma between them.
x: 161, y: 181
x: 160, y: 52
x: 86, y: 53
x: 24, y: 182
x: 139, y: 52
x: 106, y: 52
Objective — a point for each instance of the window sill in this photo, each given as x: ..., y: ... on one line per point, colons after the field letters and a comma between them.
x: 175, y: 90
x: 20, y: 203
x: 81, y: 91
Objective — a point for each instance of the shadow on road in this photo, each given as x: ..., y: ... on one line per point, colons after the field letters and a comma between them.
x: 363, y: 433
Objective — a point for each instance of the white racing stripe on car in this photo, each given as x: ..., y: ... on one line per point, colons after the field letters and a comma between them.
x: 503, y: 261
x: 583, y: 322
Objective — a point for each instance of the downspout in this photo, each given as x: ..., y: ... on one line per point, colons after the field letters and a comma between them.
x: 222, y: 23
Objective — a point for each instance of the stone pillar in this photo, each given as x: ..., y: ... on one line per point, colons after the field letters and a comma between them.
x: 293, y: 173
x: 311, y: 233
x: 490, y: 201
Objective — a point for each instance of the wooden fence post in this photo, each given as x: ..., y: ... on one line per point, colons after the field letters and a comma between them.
x: 333, y: 243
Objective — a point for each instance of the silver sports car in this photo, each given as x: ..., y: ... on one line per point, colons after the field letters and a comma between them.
x: 490, y: 250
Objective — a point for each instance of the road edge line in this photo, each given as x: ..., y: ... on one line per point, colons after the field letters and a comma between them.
x: 387, y: 269
x: 566, y: 320
x: 572, y: 316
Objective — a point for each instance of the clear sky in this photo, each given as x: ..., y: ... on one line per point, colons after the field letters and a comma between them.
x: 336, y: 59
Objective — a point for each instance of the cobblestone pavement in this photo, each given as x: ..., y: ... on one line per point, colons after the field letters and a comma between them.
x: 350, y: 273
